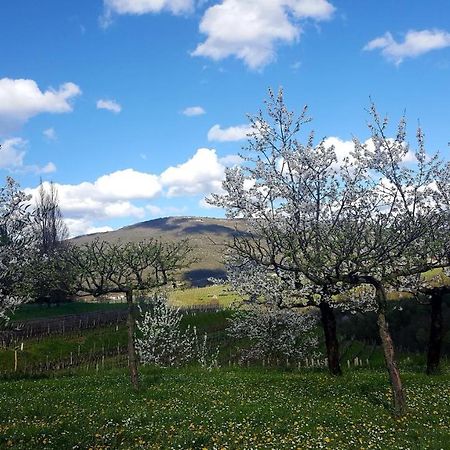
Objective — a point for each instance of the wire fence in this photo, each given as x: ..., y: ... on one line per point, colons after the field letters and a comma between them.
x: 38, y: 328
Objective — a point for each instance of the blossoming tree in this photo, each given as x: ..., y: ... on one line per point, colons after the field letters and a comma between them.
x: 16, y: 247
x: 321, y: 226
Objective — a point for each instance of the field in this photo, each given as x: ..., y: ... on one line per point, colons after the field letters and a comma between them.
x: 71, y: 391
x: 209, y: 296
x: 223, y: 409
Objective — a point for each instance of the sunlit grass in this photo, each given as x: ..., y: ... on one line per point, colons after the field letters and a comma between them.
x: 220, y: 296
x: 223, y: 409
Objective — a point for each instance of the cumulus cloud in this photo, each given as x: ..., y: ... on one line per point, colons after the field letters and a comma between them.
x: 110, y: 196
x: 415, y: 43
x: 192, y: 111
x: 231, y: 134
x: 22, y: 99
x: 50, y: 134
x: 205, y: 205
x: 203, y: 173
x: 250, y: 30
x: 128, y: 184
x: 139, y: 7
x: 113, y: 195
x: 78, y: 227
x: 109, y: 105
x: 83, y: 214
x: 12, y: 158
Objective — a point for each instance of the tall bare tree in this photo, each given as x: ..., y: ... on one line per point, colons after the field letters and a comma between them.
x: 49, y: 280
x: 50, y: 227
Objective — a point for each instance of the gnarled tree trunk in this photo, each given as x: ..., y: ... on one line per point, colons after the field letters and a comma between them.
x: 132, y: 359
x: 398, y: 393
x: 436, y: 334
x: 331, y: 341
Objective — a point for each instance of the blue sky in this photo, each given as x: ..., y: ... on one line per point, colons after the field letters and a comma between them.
x: 135, y: 107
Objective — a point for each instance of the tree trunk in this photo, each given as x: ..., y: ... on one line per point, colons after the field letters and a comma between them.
x: 331, y: 341
x: 436, y: 334
x: 132, y: 359
x: 398, y: 393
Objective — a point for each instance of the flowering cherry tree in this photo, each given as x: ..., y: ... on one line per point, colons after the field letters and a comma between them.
x: 290, y: 193
x: 162, y: 341
x: 319, y: 226
x: 275, y: 333
x: 16, y: 247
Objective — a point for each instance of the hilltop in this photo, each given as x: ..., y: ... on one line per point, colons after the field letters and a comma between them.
x: 206, y: 235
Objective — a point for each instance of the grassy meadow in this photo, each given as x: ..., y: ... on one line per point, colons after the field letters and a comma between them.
x: 223, y: 409
x: 209, y: 296
x: 231, y: 407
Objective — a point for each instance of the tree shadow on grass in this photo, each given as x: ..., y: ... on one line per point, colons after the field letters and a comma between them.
x: 375, y: 396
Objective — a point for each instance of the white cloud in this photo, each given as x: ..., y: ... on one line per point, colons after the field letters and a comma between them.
x: 109, y: 105
x: 128, y: 184
x: 231, y: 134
x: 78, y: 227
x: 230, y: 160
x: 154, y: 210
x: 203, y: 173
x: 12, y: 153
x: 50, y: 134
x: 48, y: 168
x: 344, y: 149
x: 416, y: 43
x: 22, y: 99
x: 139, y: 7
x: 193, y: 111
x: 158, y: 211
x: 250, y: 30
x: 111, y: 196
x: 12, y: 158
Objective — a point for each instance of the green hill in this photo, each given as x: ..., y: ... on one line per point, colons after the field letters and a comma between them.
x: 206, y: 235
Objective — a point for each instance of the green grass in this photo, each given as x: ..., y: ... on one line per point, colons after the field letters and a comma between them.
x: 223, y: 409
x: 33, y: 311
x: 54, y: 348
x: 219, y: 296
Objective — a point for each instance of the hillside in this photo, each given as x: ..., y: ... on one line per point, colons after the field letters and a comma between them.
x: 206, y: 235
